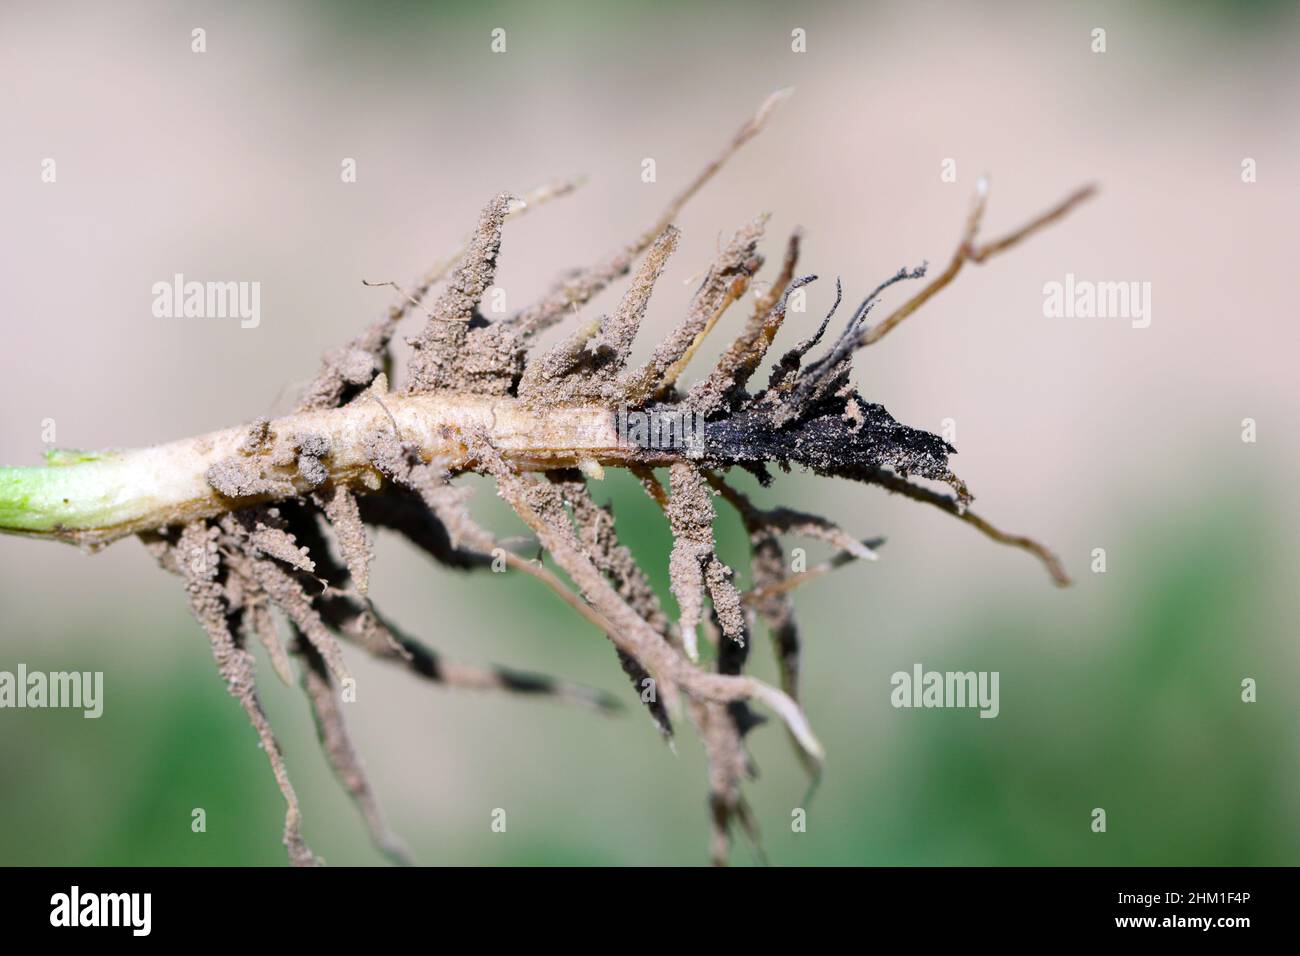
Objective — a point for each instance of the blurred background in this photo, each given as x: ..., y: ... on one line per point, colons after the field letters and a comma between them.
x: 1122, y: 692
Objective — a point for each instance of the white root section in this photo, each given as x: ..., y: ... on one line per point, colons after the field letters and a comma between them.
x: 95, y: 502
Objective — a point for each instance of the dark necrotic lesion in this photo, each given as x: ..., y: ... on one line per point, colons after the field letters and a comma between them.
x: 828, y: 443
x: 809, y: 414
x: 824, y: 439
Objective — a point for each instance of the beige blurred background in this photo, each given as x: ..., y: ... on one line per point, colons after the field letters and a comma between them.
x: 1121, y: 692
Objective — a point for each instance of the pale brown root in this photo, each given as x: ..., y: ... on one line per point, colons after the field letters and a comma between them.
x: 774, y: 587
x: 725, y: 282
x: 726, y: 599
x: 772, y: 579
x: 623, y: 625
x: 534, y: 198
x: 740, y: 360
x: 694, y: 565
x: 404, y: 465
x: 583, y: 367
x: 646, y: 476
x: 619, y: 331
x: 356, y: 620
x: 196, y: 558
x: 954, y: 507
x: 385, y: 641
x: 342, y: 756
x: 442, y: 349
x: 768, y: 568
x: 260, y: 529
x: 692, y: 547
x: 763, y: 303
x: 790, y: 521
x: 727, y: 763
x: 262, y: 623
x: 340, y: 507
x: 595, y: 528
x: 356, y: 364
x: 967, y: 251
x: 722, y: 729
x: 289, y: 596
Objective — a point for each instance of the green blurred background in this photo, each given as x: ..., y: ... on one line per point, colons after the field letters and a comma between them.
x: 1122, y: 692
